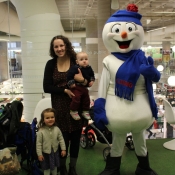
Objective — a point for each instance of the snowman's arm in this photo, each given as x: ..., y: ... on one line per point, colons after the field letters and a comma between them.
x: 104, y: 83
x: 100, y: 118
x: 149, y: 71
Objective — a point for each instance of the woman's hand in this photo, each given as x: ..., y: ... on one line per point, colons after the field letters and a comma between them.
x: 69, y: 93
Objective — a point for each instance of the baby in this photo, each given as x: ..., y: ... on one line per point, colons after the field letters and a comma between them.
x: 79, y: 89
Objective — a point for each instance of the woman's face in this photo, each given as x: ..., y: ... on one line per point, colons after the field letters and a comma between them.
x: 59, y: 47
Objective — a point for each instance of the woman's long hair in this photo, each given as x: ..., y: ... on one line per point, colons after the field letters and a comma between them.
x: 69, y: 49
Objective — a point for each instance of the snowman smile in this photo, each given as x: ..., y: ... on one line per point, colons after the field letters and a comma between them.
x: 124, y: 44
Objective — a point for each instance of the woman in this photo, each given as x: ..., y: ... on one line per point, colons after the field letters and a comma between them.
x: 55, y: 83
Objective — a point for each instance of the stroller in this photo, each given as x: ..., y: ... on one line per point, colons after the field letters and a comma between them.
x: 91, y: 133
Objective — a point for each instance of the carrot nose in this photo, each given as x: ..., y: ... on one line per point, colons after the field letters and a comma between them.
x: 124, y: 34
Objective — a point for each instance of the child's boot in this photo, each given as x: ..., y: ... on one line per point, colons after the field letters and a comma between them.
x: 86, y: 115
x: 75, y: 115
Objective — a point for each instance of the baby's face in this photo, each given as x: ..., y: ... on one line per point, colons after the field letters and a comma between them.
x: 82, y: 59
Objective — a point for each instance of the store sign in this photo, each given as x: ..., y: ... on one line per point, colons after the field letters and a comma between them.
x: 165, y: 55
x: 166, y: 52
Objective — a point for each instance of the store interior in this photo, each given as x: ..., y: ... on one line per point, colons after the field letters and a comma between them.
x: 24, y: 52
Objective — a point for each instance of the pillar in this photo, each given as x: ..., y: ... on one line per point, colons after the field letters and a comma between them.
x: 83, y: 44
x: 39, y: 22
x: 92, y: 51
x: 166, y: 56
x: 104, y: 12
x: 3, y: 61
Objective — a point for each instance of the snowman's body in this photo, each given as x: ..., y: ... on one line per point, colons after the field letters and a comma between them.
x: 124, y: 116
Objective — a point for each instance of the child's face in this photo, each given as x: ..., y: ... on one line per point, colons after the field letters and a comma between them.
x: 82, y: 59
x: 49, y: 118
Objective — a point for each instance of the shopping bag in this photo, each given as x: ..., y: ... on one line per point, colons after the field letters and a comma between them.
x: 9, y: 164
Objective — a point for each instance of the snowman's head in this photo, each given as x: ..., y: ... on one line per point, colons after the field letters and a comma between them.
x: 123, y: 31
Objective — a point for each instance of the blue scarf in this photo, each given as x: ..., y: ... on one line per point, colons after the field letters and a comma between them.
x: 125, y: 83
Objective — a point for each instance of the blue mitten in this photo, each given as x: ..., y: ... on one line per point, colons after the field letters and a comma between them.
x: 100, y: 118
x: 149, y: 71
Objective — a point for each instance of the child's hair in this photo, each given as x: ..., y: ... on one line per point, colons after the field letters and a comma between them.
x: 41, y: 122
x: 79, y: 53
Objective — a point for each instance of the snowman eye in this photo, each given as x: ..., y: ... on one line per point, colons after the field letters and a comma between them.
x: 116, y: 28
x: 131, y: 27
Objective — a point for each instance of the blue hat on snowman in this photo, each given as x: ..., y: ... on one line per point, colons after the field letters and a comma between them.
x: 129, y: 15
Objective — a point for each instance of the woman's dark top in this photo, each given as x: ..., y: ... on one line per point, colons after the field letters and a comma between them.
x: 54, y: 83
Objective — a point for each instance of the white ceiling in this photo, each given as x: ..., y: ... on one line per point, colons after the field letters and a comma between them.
x: 74, y: 13
x: 77, y: 11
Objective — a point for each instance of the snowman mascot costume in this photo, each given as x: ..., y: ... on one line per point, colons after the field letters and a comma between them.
x: 125, y: 97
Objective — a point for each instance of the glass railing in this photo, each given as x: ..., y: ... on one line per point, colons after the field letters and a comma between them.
x: 160, y: 129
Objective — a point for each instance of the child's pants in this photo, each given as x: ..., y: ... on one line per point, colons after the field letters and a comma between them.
x: 81, y: 98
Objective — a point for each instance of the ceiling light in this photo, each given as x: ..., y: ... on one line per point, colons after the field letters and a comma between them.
x: 160, y: 68
x: 171, y: 80
x: 173, y: 48
x: 154, y: 86
x: 167, y: 38
x: 148, y: 21
x: 4, y: 39
x: 156, y: 29
x: 28, y: 41
x: 163, y: 12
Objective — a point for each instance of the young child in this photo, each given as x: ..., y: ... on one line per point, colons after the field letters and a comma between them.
x: 49, y: 137
x: 80, y: 91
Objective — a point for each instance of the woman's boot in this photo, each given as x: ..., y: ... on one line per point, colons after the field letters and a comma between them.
x: 143, y: 167
x: 63, y: 169
x: 112, y: 166
x: 72, y: 166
